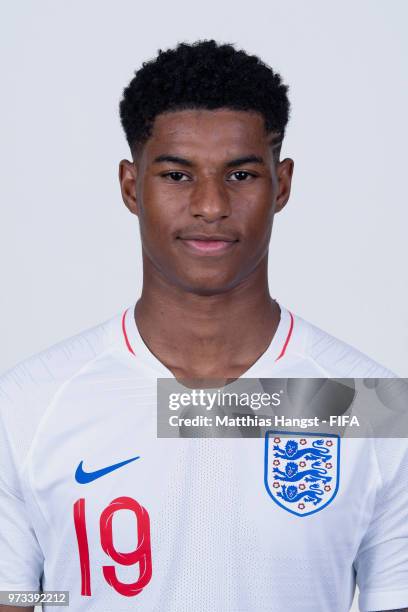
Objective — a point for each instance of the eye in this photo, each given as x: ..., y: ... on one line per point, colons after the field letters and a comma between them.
x: 240, y: 175
x: 177, y: 177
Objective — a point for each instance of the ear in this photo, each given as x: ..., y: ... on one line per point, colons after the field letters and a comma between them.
x: 284, y: 172
x: 127, y: 180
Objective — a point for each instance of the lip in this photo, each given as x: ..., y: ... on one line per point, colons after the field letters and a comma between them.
x: 213, y: 245
x: 207, y: 237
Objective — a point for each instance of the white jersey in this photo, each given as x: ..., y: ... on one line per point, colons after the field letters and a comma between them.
x: 94, y: 503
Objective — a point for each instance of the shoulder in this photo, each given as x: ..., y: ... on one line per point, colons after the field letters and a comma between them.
x: 329, y: 356
x: 27, y: 388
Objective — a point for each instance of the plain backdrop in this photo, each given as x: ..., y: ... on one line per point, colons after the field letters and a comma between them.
x: 70, y: 250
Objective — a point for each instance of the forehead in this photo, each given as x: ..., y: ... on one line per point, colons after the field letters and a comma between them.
x: 221, y: 131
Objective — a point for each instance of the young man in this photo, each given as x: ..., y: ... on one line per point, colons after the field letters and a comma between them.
x: 92, y: 501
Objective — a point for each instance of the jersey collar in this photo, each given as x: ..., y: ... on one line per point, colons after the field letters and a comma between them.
x: 136, y: 347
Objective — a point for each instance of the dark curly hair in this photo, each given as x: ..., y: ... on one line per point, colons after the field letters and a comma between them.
x: 206, y: 75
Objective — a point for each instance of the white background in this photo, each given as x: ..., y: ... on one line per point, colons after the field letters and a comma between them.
x: 70, y: 251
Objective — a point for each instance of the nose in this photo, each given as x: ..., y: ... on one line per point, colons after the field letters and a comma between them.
x: 210, y: 200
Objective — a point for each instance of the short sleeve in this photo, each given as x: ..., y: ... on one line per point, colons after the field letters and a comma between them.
x: 26, y: 391
x: 381, y: 563
x: 21, y: 560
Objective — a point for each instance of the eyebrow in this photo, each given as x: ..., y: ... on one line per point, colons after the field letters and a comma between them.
x: 173, y: 159
x: 239, y: 161
x: 248, y: 159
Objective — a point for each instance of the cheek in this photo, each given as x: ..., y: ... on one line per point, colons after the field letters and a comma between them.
x: 255, y: 216
x: 163, y: 201
x: 157, y: 214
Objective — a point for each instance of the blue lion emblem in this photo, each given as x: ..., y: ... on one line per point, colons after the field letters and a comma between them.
x: 302, y: 470
x: 292, y: 473
x: 291, y: 495
x: 291, y: 451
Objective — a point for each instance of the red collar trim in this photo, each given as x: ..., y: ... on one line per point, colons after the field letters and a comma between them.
x: 285, y: 346
x: 125, y: 334
x: 288, y: 337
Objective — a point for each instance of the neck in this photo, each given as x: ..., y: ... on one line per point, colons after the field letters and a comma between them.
x: 207, y: 336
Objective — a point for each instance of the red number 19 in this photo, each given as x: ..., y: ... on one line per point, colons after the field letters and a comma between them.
x: 141, y: 555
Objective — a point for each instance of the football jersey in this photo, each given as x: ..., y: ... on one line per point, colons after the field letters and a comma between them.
x: 94, y: 503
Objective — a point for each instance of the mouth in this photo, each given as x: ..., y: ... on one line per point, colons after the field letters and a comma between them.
x: 208, y: 245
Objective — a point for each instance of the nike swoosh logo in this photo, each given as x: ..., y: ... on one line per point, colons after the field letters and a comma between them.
x: 84, y: 477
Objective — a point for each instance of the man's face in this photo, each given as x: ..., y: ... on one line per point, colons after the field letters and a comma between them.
x: 204, y: 175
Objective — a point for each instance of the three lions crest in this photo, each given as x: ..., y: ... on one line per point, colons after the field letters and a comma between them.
x: 302, y: 471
